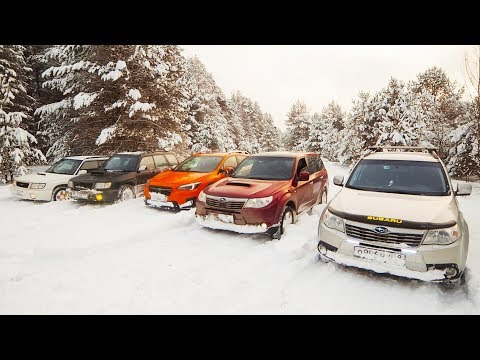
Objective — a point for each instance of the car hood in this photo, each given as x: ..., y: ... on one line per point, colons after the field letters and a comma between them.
x: 169, y: 178
x: 408, y: 208
x: 103, y: 176
x: 43, y: 177
x: 245, y: 188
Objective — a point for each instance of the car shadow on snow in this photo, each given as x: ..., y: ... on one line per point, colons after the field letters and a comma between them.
x: 387, y: 279
x: 259, y: 238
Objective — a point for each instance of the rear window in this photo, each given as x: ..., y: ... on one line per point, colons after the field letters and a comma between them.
x: 172, y: 159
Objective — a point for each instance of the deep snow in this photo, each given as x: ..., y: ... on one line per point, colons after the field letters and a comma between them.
x: 128, y: 258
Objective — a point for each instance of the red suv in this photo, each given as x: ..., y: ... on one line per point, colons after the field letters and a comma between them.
x: 265, y: 193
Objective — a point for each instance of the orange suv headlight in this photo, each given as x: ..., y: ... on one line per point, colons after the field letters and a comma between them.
x: 191, y: 186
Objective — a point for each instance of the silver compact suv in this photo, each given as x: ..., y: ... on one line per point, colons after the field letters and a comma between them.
x: 397, y: 213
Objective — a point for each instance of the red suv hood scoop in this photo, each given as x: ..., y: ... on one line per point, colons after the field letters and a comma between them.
x: 238, y: 184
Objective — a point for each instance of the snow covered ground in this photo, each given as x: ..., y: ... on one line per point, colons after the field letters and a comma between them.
x: 59, y: 258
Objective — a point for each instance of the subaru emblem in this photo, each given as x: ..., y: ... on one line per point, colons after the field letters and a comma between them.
x: 223, y: 200
x: 381, y: 230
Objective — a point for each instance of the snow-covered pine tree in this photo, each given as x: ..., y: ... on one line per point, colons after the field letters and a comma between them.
x: 464, y: 155
x: 38, y: 61
x: 324, y: 131
x: 441, y: 103
x: 116, y: 98
x: 400, y: 120
x: 244, y: 115
x: 270, y: 135
x: 357, y: 134
x: 17, y: 144
x: 206, y: 125
x: 298, y: 125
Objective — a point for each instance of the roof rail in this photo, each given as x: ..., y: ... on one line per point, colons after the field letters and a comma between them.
x: 405, y: 148
x: 430, y: 149
x: 238, y: 151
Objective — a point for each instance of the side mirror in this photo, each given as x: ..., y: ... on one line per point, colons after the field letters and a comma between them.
x: 142, y: 168
x: 463, y: 189
x: 82, y: 172
x: 228, y: 170
x: 338, y: 180
x: 304, y: 176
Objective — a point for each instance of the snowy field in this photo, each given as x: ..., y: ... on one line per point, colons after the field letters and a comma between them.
x: 66, y: 258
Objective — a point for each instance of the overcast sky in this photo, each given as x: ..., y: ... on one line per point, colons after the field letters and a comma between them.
x: 275, y: 76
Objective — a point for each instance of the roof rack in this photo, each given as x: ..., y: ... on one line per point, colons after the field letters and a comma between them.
x: 238, y: 152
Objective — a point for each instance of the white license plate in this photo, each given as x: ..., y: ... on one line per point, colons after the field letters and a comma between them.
x: 228, y: 219
x: 158, y: 197
x: 79, y: 195
x: 380, y: 256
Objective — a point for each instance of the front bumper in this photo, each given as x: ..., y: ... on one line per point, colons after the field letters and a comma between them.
x: 31, y: 194
x: 424, y: 262
x: 247, y: 221
x: 94, y: 196
x: 170, y: 205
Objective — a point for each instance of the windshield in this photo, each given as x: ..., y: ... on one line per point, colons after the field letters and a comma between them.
x: 397, y: 176
x: 64, y: 166
x: 265, y: 168
x: 202, y: 164
x: 121, y: 163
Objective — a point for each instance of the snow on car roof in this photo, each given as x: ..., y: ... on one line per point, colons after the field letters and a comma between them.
x: 86, y: 157
x: 402, y: 155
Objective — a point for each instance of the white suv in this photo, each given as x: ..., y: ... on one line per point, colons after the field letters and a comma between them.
x: 52, y: 184
x: 398, y: 213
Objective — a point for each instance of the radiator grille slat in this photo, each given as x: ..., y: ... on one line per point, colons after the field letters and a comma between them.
x: 229, y: 204
x: 393, y: 238
x: 160, y: 190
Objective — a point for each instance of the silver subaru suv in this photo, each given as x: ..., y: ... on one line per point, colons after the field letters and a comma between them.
x: 398, y: 213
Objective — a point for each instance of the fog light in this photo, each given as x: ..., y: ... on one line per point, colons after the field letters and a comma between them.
x: 99, y: 197
x: 450, y: 272
x: 322, y: 249
x: 264, y: 225
x: 33, y: 196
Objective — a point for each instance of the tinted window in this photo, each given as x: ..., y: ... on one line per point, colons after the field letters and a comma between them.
x: 396, y: 176
x: 160, y: 161
x: 302, y: 166
x: 203, y: 164
x: 121, y: 163
x: 265, y: 168
x: 64, y: 166
x: 89, y: 165
x: 172, y: 159
x: 148, y: 162
x: 312, y: 164
x: 231, y: 161
x: 320, y: 163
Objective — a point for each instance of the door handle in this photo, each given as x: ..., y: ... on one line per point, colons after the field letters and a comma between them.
x: 311, y: 182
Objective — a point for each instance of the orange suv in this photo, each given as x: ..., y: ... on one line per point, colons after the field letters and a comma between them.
x: 178, y: 188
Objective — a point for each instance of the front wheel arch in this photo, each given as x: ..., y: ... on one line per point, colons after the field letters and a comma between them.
x: 56, y: 189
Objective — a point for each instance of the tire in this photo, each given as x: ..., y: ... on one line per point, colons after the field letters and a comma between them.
x: 126, y: 192
x: 453, y: 284
x: 60, y: 194
x: 288, y: 217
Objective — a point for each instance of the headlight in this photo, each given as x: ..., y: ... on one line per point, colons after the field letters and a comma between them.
x: 202, y: 197
x: 191, y: 186
x: 70, y: 184
x: 258, y: 202
x: 100, y: 186
x: 333, y: 221
x: 37, y: 186
x: 442, y: 236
